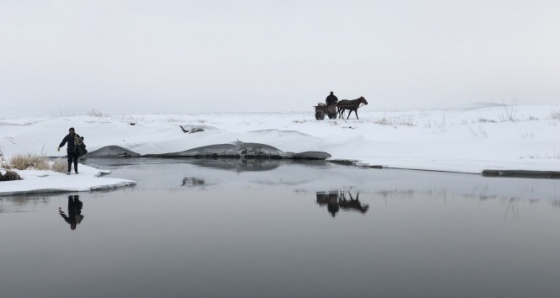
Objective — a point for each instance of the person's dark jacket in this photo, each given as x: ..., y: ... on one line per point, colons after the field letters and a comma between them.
x: 331, y: 99
x: 71, y: 143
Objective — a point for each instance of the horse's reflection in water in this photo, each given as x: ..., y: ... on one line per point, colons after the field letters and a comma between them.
x: 336, y: 200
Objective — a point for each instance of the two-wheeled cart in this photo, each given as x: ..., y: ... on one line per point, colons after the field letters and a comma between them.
x: 322, y: 109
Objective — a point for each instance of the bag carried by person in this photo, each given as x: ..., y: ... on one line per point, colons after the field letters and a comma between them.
x: 80, y: 145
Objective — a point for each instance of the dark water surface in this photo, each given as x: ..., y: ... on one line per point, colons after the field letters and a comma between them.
x: 270, y: 229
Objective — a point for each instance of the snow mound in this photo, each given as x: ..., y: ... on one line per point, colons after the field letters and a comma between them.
x: 112, y: 151
x: 240, y: 149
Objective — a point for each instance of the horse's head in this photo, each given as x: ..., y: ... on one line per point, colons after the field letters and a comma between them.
x: 363, y: 100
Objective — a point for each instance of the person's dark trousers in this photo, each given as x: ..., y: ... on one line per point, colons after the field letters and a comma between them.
x: 72, y: 157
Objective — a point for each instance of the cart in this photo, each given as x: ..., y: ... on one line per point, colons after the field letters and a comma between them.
x: 322, y: 109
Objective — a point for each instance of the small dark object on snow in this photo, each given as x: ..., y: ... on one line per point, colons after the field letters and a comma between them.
x: 192, y: 130
x: 522, y: 174
x: 9, y: 176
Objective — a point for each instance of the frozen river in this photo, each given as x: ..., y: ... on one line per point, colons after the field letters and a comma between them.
x: 206, y: 228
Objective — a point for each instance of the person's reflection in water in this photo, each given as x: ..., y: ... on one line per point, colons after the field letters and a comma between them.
x: 74, y: 211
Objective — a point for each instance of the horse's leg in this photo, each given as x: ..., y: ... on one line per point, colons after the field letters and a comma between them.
x: 357, y: 114
x: 349, y: 113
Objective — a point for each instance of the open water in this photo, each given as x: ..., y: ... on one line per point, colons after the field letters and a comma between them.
x: 206, y: 228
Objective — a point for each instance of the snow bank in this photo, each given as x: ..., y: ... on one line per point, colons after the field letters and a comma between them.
x: 35, y: 182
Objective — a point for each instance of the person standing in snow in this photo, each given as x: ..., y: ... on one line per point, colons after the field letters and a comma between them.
x: 72, y: 150
x: 331, y: 99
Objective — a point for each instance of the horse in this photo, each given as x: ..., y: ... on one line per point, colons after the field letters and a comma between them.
x: 351, y: 105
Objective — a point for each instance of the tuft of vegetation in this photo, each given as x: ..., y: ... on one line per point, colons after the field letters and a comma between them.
x: 32, y: 161
x: 60, y: 165
x: 29, y: 161
x: 395, y: 121
x: 3, y: 161
x: 481, y: 133
x: 9, y: 176
x: 442, y: 126
x: 95, y: 113
x: 484, y: 120
x: 511, y: 111
x: 383, y: 121
x: 555, y: 115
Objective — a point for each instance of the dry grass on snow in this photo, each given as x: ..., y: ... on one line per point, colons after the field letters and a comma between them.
x: 32, y: 161
x: 29, y: 161
x: 60, y: 165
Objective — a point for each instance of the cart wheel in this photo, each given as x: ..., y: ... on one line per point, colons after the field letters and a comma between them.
x: 319, y: 115
x: 332, y: 116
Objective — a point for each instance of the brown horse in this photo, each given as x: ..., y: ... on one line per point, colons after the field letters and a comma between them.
x: 351, y: 105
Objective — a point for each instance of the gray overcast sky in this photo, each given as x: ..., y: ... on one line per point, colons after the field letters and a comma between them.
x: 219, y: 56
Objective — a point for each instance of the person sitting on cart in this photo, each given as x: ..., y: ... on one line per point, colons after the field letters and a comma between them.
x: 331, y: 99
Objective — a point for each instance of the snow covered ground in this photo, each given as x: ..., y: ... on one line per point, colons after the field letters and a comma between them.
x: 88, y: 179
x: 465, y: 140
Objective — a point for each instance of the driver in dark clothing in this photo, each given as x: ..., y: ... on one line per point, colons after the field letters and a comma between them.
x: 331, y: 99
